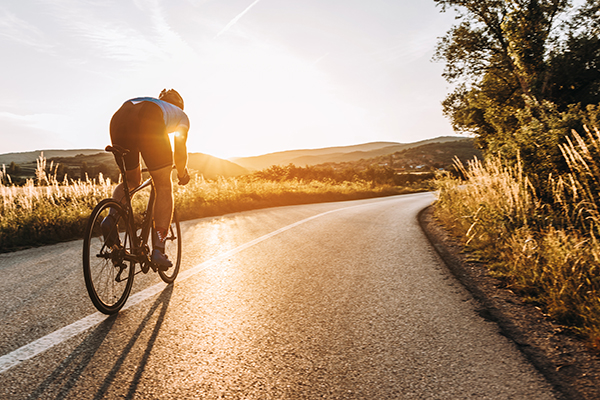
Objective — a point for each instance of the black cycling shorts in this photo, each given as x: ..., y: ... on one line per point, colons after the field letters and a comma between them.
x: 140, y: 128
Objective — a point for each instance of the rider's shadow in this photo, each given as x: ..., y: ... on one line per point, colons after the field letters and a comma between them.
x: 64, y: 378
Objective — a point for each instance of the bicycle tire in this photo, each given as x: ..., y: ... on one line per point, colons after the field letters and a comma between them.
x: 172, y: 250
x: 108, y: 276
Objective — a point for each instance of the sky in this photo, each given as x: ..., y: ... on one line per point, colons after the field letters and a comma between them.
x: 257, y: 76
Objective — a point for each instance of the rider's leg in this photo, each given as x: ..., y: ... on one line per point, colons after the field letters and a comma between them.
x: 163, y: 205
x: 134, y: 178
x: 108, y: 224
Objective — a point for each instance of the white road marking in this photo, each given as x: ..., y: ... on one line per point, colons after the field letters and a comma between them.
x: 42, y: 344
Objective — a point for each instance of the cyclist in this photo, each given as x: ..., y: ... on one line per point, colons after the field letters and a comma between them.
x: 142, y: 126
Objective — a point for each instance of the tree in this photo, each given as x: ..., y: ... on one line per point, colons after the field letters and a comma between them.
x: 575, y: 64
x: 518, y: 67
x: 507, y: 39
x: 13, y: 169
x: 83, y: 170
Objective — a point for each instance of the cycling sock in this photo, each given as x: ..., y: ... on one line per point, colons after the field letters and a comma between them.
x: 160, y: 235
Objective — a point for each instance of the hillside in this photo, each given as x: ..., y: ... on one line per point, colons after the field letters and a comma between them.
x: 29, y: 157
x: 76, y: 163
x: 213, y: 167
x: 424, y: 157
x: 334, y: 154
x: 426, y: 154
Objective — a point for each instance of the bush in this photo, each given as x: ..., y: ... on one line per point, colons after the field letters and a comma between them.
x: 545, y: 248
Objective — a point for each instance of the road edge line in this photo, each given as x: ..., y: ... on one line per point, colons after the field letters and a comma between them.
x: 61, y: 335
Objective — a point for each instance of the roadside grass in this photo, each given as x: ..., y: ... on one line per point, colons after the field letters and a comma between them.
x: 548, y: 250
x: 48, y: 211
x: 202, y: 198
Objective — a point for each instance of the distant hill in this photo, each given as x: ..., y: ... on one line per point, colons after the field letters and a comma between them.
x: 76, y: 163
x: 31, y: 156
x: 213, y: 167
x: 341, y: 154
x: 428, y: 156
x: 431, y: 153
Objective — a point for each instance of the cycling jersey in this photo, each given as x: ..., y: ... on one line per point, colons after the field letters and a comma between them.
x: 173, y: 116
x: 141, y: 125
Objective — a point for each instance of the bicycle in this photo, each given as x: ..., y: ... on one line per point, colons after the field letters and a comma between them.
x: 109, y: 260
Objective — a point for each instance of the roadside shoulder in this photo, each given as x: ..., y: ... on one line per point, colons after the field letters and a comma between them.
x: 553, y: 350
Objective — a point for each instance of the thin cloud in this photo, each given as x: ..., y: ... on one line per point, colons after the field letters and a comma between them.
x: 410, y: 50
x: 170, y: 40
x: 236, y: 19
x: 119, y: 39
x: 19, y: 30
x: 47, y: 122
x: 318, y: 60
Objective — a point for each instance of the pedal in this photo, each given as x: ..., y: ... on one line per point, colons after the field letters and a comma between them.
x: 153, y: 266
x: 145, y: 267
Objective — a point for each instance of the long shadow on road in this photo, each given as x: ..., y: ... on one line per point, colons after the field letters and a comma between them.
x: 65, y: 377
x: 163, y: 300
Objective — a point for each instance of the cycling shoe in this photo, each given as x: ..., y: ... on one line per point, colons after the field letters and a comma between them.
x: 161, y: 260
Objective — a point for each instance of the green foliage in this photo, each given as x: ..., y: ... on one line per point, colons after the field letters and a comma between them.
x: 13, y: 169
x: 545, y: 248
x: 525, y: 72
x: 50, y: 209
x: 500, y: 38
x: 373, y: 174
x: 527, y: 75
x: 575, y: 63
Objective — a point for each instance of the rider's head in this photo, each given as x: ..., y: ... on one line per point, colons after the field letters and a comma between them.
x: 171, y: 96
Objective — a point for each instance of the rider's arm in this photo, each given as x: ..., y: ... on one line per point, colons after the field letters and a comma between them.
x: 181, y: 155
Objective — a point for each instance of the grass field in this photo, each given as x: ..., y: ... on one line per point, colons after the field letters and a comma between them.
x: 548, y: 251
x: 45, y: 210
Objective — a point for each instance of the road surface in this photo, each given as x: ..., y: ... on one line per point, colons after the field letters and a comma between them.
x: 339, y: 301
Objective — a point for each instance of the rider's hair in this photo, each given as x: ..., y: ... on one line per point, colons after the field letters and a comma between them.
x: 171, y: 96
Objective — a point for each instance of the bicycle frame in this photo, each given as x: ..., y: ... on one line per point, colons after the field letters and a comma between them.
x: 139, y: 242
x: 106, y: 256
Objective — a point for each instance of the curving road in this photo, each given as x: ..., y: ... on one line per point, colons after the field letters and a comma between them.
x: 339, y: 300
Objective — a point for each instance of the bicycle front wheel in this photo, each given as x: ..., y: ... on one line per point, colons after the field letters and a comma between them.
x: 172, y: 250
x: 106, y: 245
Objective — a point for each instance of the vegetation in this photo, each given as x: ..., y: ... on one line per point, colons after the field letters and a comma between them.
x: 546, y: 250
x: 374, y: 173
x: 48, y: 209
x: 428, y: 157
x: 525, y: 73
x: 55, y: 199
x: 527, y: 77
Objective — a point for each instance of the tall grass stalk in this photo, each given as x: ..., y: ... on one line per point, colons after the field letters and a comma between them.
x: 201, y: 198
x: 46, y: 210
x: 548, y: 251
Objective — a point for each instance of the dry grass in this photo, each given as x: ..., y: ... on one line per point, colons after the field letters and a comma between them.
x: 201, y: 198
x: 45, y: 210
x: 549, y: 251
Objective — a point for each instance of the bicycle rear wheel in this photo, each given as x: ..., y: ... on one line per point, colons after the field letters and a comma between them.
x: 172, y: 250
x: 108, y: 275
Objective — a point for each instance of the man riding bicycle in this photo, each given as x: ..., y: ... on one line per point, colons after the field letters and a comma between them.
x: 142, y: 126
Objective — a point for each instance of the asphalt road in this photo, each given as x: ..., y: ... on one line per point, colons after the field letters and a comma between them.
x: 338, y: 300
